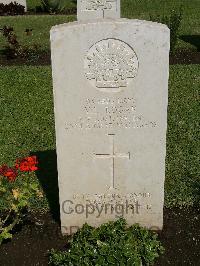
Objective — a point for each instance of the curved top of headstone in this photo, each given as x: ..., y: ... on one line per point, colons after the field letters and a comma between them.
x: 136, y: 22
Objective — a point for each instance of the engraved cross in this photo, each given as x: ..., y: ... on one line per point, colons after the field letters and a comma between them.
x: 112, y: 156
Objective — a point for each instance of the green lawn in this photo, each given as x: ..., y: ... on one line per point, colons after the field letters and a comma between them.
x: 31, y: 4
x: 27, y: 126
x: 138, y: 9
x: 27, y: 121
x: 183, y: 138
x: 142, y: 8
x: 41, y: 26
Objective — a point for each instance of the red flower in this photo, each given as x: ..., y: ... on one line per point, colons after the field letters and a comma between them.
x: 9, y: 172
x: 27, y: 164
x: 3, y: 168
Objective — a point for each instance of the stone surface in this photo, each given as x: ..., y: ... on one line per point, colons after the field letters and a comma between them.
x: 110, y: 82
x: 21, y: 2
x: 97, y: 9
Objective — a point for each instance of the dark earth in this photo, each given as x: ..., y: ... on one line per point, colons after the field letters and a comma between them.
x: 185, y: 57
x: 30, y: 245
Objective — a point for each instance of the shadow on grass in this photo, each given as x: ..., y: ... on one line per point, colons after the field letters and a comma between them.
x: 48, y: 178
x: 192, y: 39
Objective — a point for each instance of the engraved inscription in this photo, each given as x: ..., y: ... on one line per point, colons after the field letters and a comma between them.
x: 110, y: 196
x: 143, y: 198
x: 109, y: 113
x: 99, y: 4
x: 110, y: 65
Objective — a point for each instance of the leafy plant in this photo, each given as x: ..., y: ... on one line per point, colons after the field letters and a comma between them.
x: 11, y: 9
x: 14, y: 49
x: 112, y: 243
x: 16, y: 194
x: 58, y: 6
x: 173, y: 21
x: 50, y: 6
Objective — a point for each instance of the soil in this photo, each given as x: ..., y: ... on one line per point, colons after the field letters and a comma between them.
x: 180, y: 237
x: 184, y: 57
x: 44, y: 59
x: 68, y: 12
x: 30, y: 244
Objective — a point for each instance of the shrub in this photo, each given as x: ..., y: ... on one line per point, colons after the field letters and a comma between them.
x: 11, y: 9
x: 110, y: 244
x: 14, y: 49
x: 173, y: 21
x: 16, y: 188
x: 58, y: 6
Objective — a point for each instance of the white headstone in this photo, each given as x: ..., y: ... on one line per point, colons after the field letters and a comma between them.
x: 110, y: 80
x: 97, y: 9
x: 21, y: 2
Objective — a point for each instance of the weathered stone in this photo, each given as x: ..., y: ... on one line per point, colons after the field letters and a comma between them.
x: 110, y: 82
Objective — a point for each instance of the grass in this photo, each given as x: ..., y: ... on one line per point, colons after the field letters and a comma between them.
x: 41, y: 26
x: 26, y: 115
x: 138, y: 9
x: 26, y: 109
x: 31, y: 4
x: 183, y: 142
x: 142, y: 8
x: 27, y: 127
